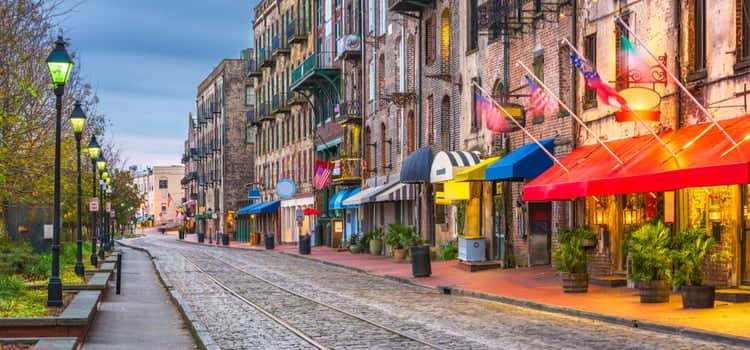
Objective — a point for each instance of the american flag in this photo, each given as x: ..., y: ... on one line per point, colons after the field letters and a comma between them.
x: 539, y: 103
x: 492, y: 116
x: 604, y: 92
x: 322, y: 174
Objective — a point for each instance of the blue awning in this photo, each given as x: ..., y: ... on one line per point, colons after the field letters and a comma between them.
x: 526, y: 162
x: 416, y: 167
x: 269, y: 207
x: 246, y: 210
x: 336, y: 201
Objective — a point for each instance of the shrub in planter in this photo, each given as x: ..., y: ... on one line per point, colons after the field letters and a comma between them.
x: 393, y: 240
x: 376, y: 241
x: 691, y: 251
x: 651, y: 261
x: 572, y: 259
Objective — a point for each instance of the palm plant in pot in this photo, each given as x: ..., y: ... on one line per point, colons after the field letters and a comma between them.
x: 572, y: 259
x: 692, y: 249
x: 651, y: 260
x: 393, y: 240
x: 376, y: 241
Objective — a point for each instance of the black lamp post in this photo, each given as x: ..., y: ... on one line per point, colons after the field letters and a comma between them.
x: 110, y: 237
x: 101, y: 163
x: 60, y: 65
x: 107, y: 196
x: 94, y: 152
x: 78, y: 120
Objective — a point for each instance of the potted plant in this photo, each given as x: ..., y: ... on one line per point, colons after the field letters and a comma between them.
x: 393, y: 240
x: 376, y: 241
x: 354, y: 246
x: 650, y: 256
x: 572, y: 258
x: 692, y: 249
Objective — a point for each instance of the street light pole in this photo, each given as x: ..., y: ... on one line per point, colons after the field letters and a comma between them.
x: 60, y: 66
x: 94, y: 155
x: 78, y: 120
x: 101, y: 164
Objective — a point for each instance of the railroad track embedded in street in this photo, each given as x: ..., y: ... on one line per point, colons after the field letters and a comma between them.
x: 320, y: 324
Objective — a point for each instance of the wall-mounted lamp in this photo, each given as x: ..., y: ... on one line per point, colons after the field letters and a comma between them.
x: 629, y: 216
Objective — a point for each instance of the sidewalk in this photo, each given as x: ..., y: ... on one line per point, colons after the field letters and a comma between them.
x: 142, y: 316
x: 539, y: 287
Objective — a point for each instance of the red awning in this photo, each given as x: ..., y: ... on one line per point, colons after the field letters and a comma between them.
x: 648, y: 167
x: 311, y: 211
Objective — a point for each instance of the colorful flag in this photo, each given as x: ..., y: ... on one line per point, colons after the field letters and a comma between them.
x: 493, y: 118
x: 539, y: 103
x: 322, y: 174
x: 604, y: 92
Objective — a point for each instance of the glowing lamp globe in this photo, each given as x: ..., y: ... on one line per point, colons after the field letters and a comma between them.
x: 101, y: 162
x: 642, y: 102
x: 77, y: 119
x: 59, y: 63
x: 94, y: 149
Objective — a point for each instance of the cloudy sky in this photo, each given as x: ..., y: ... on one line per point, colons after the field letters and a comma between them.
x: 145, y: 59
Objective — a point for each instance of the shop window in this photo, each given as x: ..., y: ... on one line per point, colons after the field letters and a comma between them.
x: 713, y: 209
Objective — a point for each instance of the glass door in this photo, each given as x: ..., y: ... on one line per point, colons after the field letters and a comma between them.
x: 745, y: 237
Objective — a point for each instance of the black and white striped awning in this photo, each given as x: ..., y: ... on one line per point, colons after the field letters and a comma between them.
x: 444, y: 163
x: 396, y: 193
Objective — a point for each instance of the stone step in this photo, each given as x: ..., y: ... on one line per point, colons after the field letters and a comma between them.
x: 733, y: 295
x: 610, y: 281
x: 473, y: 266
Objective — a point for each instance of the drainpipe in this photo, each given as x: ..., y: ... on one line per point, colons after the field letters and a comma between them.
x: 419, y: 118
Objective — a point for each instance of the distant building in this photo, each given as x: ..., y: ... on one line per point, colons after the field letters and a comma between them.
x: 161, y: 190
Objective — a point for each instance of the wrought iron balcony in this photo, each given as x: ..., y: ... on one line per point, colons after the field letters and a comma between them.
x: 350, y: 111
x: 410, y: 5
x: 265, y: 58
x: 253, y: 69
x: 294, y: 98
x: 317, y: 67
x: 347, y: 170
x: 264, y: 112
x: 279, y: 104
x: 295, y: 32
x: 279, y: 47
x: 349, y: 47
x: 194, y: 153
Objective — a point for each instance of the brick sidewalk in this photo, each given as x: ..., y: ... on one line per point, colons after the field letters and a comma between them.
x: 541, y: 286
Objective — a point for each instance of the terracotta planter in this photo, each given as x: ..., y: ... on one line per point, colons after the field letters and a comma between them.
x: 574, y: 282
x: 698, y: 297
x: 399, y: 255
x: 654, y: 291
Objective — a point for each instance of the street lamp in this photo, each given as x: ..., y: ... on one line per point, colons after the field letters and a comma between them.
x: 60, y: 65
x: 78, y: 120
x: 110, y: 237
x: 94, y: 153
x: 101, y: 164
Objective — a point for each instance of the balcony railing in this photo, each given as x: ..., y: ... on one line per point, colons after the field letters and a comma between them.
x: 264, y: 112
x: 295, y: 32
x: 279, y: 47
x: 349, y: 47
x: 410, y: 5
x: 347, y: 169
x: 350, y: 109
x: 279, y: 103
x: 265, y: 58
x: 321, y: 60
x: 253, y: 69
x: 194, y: 153
x: 294, y: 98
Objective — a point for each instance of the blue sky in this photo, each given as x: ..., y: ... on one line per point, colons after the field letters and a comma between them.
x: 145, y: 59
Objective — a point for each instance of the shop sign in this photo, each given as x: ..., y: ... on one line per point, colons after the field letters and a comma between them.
x: 286, y: 188
x: 253, y: 194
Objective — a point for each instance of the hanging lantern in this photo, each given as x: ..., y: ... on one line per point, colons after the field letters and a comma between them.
x: 641, y: 101
x: 714, y: 210
x: 629, y: 216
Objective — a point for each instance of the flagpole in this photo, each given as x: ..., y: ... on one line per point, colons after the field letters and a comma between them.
x: 671, y: 75
x: 627, y: 109
x: 509, y: 116
x: 541, y: 84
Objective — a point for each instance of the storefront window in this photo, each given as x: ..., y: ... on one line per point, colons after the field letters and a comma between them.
x: 712, y: 208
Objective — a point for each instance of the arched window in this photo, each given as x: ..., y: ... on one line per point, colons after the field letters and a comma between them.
x: 445, y: 123
x: 411, y: 64
x: 445, y: 42
x: 410, y: 144
x: 383, y: 150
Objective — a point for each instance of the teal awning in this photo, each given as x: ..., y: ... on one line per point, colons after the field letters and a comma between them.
x: 337, y: 200
x: 526, y: 162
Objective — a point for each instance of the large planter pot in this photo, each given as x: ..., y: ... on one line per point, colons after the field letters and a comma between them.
x: 654, y: 291
x: 698, y: 297
x: 376, y: 245
x: 574, y: 282
x: 399, y: 255
x: 355, y: 248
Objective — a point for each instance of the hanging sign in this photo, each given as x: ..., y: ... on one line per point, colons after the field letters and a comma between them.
x: 286, y: 188
x: 253, y: 194
x: 93, y: 204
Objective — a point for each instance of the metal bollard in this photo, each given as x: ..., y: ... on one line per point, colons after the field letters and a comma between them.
x: 119, y: 272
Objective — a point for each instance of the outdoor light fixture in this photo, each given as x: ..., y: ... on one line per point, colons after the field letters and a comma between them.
x: 600, y: 215
x: 59, y: 65
x: 641, y: 101
x: 94, y: 153
x: 714, y: 211
x: 629, y: 217
x: 94, y: 149
x: 78, y: 121
x: 101, y: 163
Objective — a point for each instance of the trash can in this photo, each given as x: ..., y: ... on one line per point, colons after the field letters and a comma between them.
x: 304, y: 245
x: 201, y: 237
x: 420, y: 261
x: 224, y: 238
x: 181, y: 233
x: 269, y: 241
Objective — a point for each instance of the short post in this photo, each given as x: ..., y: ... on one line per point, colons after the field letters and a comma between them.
x: 119, y: 271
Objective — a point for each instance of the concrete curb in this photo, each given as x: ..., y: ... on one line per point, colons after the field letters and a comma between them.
x: 197, y: 329
x: 647, y: 325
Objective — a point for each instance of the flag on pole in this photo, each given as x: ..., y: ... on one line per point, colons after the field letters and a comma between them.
x: 493, y: 118
x: 322, y: 174
x: 604, y: 92
x: 539, y: 103
x: 637, y: 62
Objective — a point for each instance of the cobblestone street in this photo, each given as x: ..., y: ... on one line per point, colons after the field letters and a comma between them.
x: 443, y: 321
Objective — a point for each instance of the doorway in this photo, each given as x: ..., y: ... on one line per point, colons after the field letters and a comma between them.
x: 745, y: 238
x: 540, y: 233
